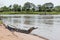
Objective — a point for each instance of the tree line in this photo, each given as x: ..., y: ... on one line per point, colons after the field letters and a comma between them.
x: 49, y: 7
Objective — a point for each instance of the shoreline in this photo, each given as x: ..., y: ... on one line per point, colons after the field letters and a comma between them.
x: 5, y: 32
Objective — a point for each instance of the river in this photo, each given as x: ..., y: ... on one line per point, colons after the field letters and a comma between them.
x: 48, y: 25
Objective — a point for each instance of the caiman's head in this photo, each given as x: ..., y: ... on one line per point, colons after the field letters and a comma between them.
x: 31, y: 29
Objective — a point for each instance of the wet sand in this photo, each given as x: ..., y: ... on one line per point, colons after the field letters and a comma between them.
x: 5, y: 34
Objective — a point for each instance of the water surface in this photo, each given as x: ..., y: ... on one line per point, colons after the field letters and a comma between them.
x: 48, y: 25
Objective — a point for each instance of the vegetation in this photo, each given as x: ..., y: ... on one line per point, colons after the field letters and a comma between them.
x: 30, y: 8
x: 1, y: 22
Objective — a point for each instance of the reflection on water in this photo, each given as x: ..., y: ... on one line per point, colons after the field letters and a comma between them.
x: 48, y: 25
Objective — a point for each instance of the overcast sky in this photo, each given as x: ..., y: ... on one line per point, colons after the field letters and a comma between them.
x: 21, y: 2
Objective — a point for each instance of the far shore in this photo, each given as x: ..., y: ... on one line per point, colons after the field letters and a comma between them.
x: 29, y: 12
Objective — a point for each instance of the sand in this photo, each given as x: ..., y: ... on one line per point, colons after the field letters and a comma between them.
x: 5, y: 34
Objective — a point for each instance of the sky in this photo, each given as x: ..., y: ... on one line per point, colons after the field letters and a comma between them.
x: 21, y: 2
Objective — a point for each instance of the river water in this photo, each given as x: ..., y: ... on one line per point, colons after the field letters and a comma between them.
x: 48, y: 25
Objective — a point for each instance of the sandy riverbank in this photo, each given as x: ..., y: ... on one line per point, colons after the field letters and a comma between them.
x: 5, y: 34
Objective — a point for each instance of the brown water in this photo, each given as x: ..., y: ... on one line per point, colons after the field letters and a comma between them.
x: 48, y: 25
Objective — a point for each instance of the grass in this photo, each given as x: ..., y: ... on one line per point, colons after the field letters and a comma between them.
x: 24, y: 12
x: 1, y: 22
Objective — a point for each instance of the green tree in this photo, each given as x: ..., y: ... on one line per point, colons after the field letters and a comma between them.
x: 15, y: 7
x: 27, y: 6
x: 10, y: 7
x: 23, y: 8
x: 32, y: 7
x: 5, y: 8
x: 57, y: 8
x: 39, y: 8
x: 48, y: 6
x: 19, y: 8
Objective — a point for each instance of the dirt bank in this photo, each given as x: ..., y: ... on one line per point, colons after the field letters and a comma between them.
x: 5, y: 34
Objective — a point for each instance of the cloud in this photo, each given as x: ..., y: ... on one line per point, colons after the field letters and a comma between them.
x: 21, y: 2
